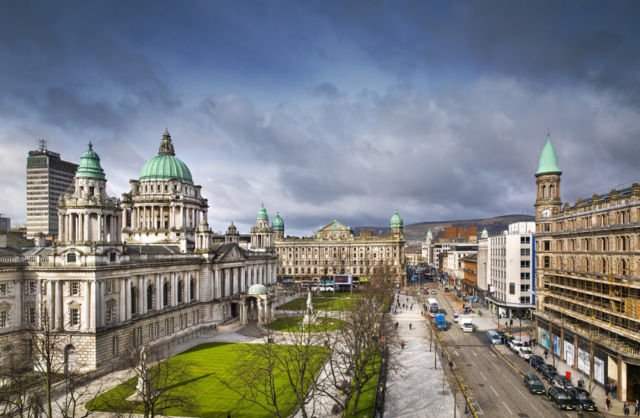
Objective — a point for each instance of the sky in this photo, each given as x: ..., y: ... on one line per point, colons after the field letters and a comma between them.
x: 325, y: 110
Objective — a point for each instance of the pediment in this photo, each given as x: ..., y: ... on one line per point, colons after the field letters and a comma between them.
x: 233, y: 254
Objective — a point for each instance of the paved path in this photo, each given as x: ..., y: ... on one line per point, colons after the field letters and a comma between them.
x: 415, y: 389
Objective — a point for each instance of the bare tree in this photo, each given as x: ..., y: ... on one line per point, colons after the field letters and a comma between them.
x: 16, y: 394
x: 360, y: 346
x: 296, y: 359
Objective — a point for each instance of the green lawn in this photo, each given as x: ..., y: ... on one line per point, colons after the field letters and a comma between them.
x: 206, y: 366
x: 368, y: 396
x: 321, y: 304
x: 293, y: 323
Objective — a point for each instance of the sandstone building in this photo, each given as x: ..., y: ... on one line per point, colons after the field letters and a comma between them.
x: 588, y: 285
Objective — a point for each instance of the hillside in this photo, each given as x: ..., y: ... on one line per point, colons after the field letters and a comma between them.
x: 417, y: 231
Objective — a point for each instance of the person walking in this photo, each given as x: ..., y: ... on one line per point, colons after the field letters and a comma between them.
x: 607, y: 389
x: 625, y: 408
x: 546, y: 354
x: 607, y: 402
x: 410, y: 326
x: 636, y: 412
x: 402, y: 345
x: 614, y: 390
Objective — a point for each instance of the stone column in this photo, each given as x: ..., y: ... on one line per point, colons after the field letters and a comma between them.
x: 50, y: 307
x: 187, y: 287
x: 102, y: 307
x: 18, y: 305
x: 158, y: 292
x: 59, y: 306
x: 123, y: 300
x: 84, y: 318
x: 161, y: 216
x: 142, y: 293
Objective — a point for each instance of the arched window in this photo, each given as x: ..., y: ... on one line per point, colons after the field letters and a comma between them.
x: 180, y: 291
x: 150, y: 297
x: 165, y: 294
x: 134, y: 299
x: 544, y: 191
x: 69, y: 359
x: 551, y: 191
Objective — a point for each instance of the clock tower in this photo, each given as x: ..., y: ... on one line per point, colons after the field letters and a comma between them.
x: 548, y: 200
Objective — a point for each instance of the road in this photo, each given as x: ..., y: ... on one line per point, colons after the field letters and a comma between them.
x: 496, y: 387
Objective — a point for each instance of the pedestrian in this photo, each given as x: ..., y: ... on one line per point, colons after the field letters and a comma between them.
x: 410, y: 326
x: 636, y: 412
x: 546, y: 354
x: 626, y: 409
x: 396, y: 325
x: 607, y: 389
x: 402, y: 344
x: 411, y: 306
x: 614, y: 390
x: 607, y: 402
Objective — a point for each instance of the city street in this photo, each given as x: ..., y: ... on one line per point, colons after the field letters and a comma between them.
x: 496, y: 387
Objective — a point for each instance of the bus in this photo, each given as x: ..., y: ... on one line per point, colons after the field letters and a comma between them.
x: 433, y: 306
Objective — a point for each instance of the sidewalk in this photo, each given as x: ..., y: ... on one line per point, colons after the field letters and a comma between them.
x: 415, y: 388
x: 597, y: 394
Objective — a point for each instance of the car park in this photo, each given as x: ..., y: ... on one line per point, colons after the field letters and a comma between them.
x: 548, y: 372
x: 582, y: 398
x: 561, y: 398
x: 561, y: 381
x: 525, y: 352
x: 494, y: 337
x: 534, y: 384
x: 536, y: 361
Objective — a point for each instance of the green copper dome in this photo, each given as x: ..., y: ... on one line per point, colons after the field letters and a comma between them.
x: 166, y: 165
x: 548, y: 159
x: 396, y: 220
x: 278, y: 223
x: 90, y: 165
x: 262, y: 214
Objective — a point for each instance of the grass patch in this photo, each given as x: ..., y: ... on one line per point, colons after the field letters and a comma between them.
x: 293, y: 324
x: 206, y: 365
x: 321, y: 304
x: 367, y: 400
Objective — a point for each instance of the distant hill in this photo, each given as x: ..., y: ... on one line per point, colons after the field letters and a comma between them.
x: 416, y: 232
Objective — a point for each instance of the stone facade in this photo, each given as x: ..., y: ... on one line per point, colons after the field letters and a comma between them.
x: 334, y: 250
x: 125, y: 274
x: 588, y: 281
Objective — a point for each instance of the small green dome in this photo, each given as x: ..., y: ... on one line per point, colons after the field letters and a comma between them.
x: 166, y: 165
x: 396, y: 220
x: 90, y: 165
x: 548, y: 159
x: 278, y: 223
x: 257, y: 289
x: 262, y: 214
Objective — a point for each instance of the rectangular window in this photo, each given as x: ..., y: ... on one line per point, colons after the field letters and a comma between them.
x: 109, y: 286
x: 74, y: 316
x: 110, y: 312
x: 31, y: 287
x: 525, y: 276
x: 525, y: 240
x: 546, y: 245
x: 525, y: 251
x: 114, y: 345
x: 525, y: 299
x: 524, y: 287
x: 31, y: 314
x: 74, y: 288
x: 3, y: 319
x: 3, y: 289
x: 512, y: 288
x: 525, y: 263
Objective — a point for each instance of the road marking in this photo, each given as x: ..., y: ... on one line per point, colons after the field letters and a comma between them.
x: 483, y: 376
x: 494, y: 391
x: 492, y: 354
x: 456, y: 353
x: 475, y: 354
x: 505, y: 405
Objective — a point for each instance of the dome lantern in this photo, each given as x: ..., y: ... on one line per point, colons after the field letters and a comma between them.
x: 89, y: 166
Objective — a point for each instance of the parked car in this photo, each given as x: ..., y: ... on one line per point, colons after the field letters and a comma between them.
x: 494, y: 337
x: 534, y: 384
x: 582, y: 398
x: 548, y: 372
x: 536, y: 361
x: 515, y: 345
x: 456, y: 315
x: 561, y: 381
x: 433, y: 292
x: 446, y: 289
x: 561, y: 398
x: 525, y: 352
